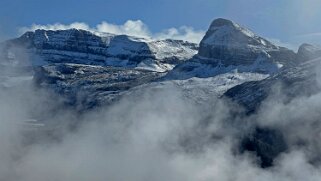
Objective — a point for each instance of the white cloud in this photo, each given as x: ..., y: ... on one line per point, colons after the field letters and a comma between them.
x: 279, y: 42
x: 153, y: 133
x: 56, y: 26
x: 310, y: 34
x: 183, y: 33
x: 130, y: 27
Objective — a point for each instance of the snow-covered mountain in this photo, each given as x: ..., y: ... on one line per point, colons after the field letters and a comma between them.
x: 228, y: 46
x: 91, y: 69
x: 89, y: 86
x: 83, y: 47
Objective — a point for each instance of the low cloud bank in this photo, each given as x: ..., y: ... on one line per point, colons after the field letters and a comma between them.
x: 151, y: 134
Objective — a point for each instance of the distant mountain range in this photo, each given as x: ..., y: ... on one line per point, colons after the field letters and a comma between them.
x: 74, y: 61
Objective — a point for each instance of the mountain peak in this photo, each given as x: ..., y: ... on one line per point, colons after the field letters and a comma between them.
x: 222, y: 22
x: 228, y: 33
x: 229, y: 43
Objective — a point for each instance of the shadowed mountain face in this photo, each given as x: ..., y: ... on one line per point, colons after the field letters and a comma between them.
x: 293, y: 82
x: 86, y: 86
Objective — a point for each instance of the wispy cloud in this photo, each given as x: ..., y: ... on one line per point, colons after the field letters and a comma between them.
x: 311, y: 38
x: 183, y: 33
x: 279, y: 42
x: 310, y: 34
x: 130, y: 27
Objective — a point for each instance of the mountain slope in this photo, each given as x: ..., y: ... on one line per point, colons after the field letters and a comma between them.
x: 298, y: 81
x: 88, y: 86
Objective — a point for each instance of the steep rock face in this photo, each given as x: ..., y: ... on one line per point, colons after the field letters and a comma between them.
x: 308, y: 52
x: 228, y: 46
x: 83, y: 47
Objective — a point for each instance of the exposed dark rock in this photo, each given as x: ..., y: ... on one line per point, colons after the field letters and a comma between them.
x: 266, y: 143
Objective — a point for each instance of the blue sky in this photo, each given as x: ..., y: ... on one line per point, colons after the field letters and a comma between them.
x: 288, y: 21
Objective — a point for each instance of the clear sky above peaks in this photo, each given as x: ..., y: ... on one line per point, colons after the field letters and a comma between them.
x: 287, y: 21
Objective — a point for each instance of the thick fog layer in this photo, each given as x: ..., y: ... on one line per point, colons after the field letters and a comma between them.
x: 151, y: 134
